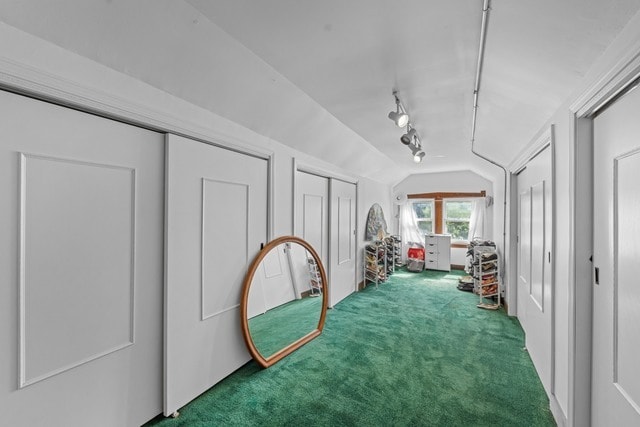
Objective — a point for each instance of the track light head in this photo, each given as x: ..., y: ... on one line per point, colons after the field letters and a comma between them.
x: 400, y: 118
x: 408, y: 137
x: 416, y: 150
x: 411, y: 138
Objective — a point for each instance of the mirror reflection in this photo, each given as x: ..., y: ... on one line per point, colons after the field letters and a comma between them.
x: 285, y: 297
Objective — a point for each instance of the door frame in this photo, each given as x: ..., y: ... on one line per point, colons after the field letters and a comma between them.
x: 583, y: 110
x: 298, y: 166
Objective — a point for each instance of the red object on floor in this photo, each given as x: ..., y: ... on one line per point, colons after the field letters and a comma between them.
x: 415, y: 253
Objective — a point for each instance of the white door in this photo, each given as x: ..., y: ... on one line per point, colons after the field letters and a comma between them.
x: 616, y: 252
x: 524, y: 246
x: 216, y: 220
x: 342, y: 267
x: 312, y: 207
x: 81, y: 221
x: 535, y: 291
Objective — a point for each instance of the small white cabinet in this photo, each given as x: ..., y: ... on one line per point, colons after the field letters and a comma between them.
x: 437, y: 252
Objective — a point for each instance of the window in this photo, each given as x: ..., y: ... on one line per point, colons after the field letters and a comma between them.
x: 456, y: 216
x: 449, y: 213
x: 424, y: 215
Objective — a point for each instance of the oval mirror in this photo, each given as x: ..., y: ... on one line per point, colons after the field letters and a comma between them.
x: 284, y: 299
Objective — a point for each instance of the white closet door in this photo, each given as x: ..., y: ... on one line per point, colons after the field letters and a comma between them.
x: 342, y: 268
x: 312, y: 206
x: 616, y: 292
x: 216, y: 220
x: 524, y: 247
x: 535, y: 291
x: 81, y: 221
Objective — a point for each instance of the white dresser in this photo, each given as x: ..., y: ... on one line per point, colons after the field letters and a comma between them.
x: 437, y: 250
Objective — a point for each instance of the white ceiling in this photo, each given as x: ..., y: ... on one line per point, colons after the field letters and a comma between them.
x: 318, y: 75
x: 348, y: 55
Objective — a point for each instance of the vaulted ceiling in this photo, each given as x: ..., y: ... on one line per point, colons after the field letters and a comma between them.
x: 318, y: 75
x: 349, y: 55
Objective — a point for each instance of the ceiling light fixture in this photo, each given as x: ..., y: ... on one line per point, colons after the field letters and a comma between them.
x: 400, y: 116
x: 411, y: 139
x: 408, y: 137
x: 416, y: 150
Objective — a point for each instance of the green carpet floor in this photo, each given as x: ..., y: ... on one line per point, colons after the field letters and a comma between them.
x: 414, y: 352
x: 284, y: 324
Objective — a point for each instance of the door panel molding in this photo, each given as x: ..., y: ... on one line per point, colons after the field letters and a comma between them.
x: 345, y: 246
x: 75, y: 182
x: 535, y: 253
x: 217, y: 195
x: 626, y: 292
x: 536, y: 285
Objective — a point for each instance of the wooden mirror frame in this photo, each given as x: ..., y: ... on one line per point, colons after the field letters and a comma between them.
x: 265, y: 362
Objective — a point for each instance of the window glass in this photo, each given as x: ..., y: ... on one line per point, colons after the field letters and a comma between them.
x: 424, y: 215
x: 456, y: 216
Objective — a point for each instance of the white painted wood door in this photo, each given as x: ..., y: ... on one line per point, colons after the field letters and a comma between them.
x: 535, y: 290
x: 81, y: 221
x: 312, y: 212
x: 524, y: 246
x: 616, y: 252
x: 342, y: 281
x: 216, y: 220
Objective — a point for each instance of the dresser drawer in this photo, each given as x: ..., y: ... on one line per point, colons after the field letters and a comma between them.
x: 430, y: 255
x: 431, y: 241
x: 431, y: 264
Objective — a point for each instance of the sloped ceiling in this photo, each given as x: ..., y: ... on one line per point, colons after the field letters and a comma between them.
x: 318, y: 75
x: 348, y: 55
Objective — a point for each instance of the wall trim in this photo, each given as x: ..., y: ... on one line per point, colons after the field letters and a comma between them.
x: 439, y: 195
x: 610, y: 84
x: 531, y: 151
x: 557, y: 412
x: 308, y: 168
x: 40, y: 84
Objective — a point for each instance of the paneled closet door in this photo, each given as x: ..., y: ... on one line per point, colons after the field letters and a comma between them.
x: 535, y: 287
x: 216, y: 216
x: 312, y: 212
x: 81, y: 221
x: 616, y: 251
x: 343, y: 241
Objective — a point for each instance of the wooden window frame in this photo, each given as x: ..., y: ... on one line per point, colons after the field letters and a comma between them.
x: 438, y: 207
